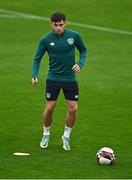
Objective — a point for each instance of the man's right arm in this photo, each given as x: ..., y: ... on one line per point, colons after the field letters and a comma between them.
x: 37, y: 59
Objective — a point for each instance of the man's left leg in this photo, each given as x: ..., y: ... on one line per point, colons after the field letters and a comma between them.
x: 72, y: 108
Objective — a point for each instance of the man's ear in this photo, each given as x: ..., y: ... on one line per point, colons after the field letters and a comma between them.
x: 50, y: 22
x: 65, y: 22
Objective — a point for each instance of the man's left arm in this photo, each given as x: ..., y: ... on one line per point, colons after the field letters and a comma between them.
x: 82, y: 50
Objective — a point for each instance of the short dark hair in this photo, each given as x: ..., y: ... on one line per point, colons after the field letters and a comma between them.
x: 57, y: 17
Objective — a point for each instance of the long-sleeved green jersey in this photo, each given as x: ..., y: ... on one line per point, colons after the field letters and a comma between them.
x: 61, y: 51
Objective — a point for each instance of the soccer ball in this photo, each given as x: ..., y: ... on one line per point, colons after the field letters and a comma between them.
x: 105, y: 156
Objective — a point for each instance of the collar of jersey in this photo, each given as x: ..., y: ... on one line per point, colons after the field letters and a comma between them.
x: 60, y: 34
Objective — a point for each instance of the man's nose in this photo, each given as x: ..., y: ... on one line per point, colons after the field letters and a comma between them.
x: 58, y: 27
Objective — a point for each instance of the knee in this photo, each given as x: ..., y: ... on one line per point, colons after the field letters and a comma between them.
x: 73, y: 108
x: 50, y: 107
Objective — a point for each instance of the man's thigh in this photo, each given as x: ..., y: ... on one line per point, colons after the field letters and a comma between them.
x: 52, y: 90
x: 71, y: 91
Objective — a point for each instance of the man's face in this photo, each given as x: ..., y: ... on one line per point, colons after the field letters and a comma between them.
x: 58, y: 27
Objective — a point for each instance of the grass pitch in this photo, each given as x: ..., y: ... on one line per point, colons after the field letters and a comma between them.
x: 104, y: 117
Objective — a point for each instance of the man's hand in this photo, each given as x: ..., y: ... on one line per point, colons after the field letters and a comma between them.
x: 34, y: 81
x: 76, y: 68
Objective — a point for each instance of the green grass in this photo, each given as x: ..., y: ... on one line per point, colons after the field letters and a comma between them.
x: 104, y: 117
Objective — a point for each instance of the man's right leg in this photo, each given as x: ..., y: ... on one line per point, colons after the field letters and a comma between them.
x: 47, y: 114
x: 47, y: 120
x: 52, y: 92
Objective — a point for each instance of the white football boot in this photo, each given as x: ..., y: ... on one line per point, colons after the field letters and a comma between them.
x: 44, y: 142
x: 66, y: 143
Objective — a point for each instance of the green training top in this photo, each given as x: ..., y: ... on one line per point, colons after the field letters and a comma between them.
x: 61, y: 51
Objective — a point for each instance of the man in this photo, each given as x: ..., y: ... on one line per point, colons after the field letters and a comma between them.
x: 60, y: 45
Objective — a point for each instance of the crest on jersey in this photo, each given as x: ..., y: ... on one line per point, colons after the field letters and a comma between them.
x: 70, y: 41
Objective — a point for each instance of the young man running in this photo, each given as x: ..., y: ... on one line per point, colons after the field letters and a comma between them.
x: 60, y: 45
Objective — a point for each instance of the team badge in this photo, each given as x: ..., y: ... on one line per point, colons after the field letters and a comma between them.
x: 70, y: 41
x: 52, y: 44
x: 48, y: 95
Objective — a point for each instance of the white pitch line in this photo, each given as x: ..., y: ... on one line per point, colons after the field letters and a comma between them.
x: 24, y: 15
x: 101, y: 28
x: 14, y: 14
x: 7, y: 16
